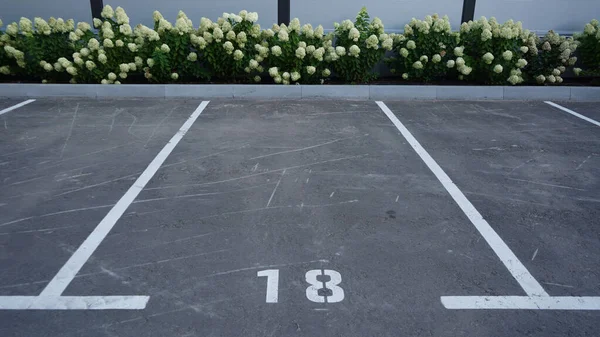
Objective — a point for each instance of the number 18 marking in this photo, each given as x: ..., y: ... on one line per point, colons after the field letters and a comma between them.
x: 312, y: 292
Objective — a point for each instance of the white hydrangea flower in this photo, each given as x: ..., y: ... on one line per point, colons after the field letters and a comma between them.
x: 326, y: 72
x: 217, y: 34
x: 521, y: 63
x: 73, y: 37
x: 228, y: 46
x: 124, y: 67
x: 310, y: 49
x: 104, y: 81
x: 311, y: 70
x: 192, y: 57
x: 577, y: 71
x: 300, y: 53
x: 150, y: 62
x: 112, y: 76
x: 459, y: 51
x: 424, y: 59
x: 277, y: 79
x: 404, y: 52
x: 465, y: 70
x: 514, y: 79
x: 589, y: 29
x: 251, y: 17
x: 319, y: 31
x: 174, y: 76
x: 488, y: 58
x: 78, y: 61
x: 273, y: 72
x: 121, y: 16
x: 498, y: 69
x: 354, y: 50
x: 107, y: 12
x: 132, y: 66
x: 436, y: 58
x: 276, y: 50
x: 48, y: 67
x: 25, y: 25
x: 546, y: 46
x: 165, y: 48
x: 12, y: 29
x: 551, y: 79
x: 524, y: 49
x: 238, y: 55
x: 540, y: 79
x: 347, y: 25
x: 123, y: 75
x: 558, y: 79
x: 450, y: 64
x: 572, y: 61
x: 102, y: 58
x: 283, y: 35
x: 405, y: 76
x: 295, y: 76
x: 119, y: 43
x: 354, y: 34
x: 295, y: 25
x: 507, y: 55
x: 340, y: 51
x: 388, y: 44
x: 286, y: 75
x: 460, y: 62
x: 230, y: 35
x: 411, y: 44
x: 97, y: 23
x: 319, y: 53
x: 418, y: 65
x: 107, y: 43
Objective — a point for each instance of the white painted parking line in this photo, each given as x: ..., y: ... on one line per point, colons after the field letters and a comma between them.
x: 510, y: 260
x: 522, y: 302
x: 51, y: 297
x: 73, y: 302
x: 2, y: 112
x: 537, y: 297
x: 587, y: 119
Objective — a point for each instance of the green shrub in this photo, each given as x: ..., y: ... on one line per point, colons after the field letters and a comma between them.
x: 550, y: 58
x: 230, y: 44
x: 428, y: 50
x: 496, y: 51
x: 589, y: 49
x: 168, y: 50
x: 296, y: 53
x: 359, y: 47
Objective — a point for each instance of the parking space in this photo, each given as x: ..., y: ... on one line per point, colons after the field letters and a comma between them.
x: 298, y: 218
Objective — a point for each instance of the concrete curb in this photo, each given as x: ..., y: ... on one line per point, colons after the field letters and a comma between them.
x: 374, y: 92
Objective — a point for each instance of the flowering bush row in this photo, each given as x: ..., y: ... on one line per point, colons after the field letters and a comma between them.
x: 236, y: 49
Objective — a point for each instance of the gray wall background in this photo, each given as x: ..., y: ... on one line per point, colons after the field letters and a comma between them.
x: 564, y: 16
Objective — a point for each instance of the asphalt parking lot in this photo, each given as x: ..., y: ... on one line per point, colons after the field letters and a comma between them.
x: 299, y: 218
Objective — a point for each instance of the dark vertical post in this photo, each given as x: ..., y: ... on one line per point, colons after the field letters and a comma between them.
x: 283, y: 11
x: 96, y: 6
x: 468, y: 11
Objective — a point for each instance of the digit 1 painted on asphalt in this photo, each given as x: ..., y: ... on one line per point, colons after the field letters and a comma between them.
x: 312, y: 292
x: 272, y: 284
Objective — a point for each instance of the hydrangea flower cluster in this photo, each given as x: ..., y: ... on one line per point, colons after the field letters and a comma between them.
x: 235, y: 48
x: 552, y: 57
x: 428, y: 50
x: 498, y: 51
x: 589, y: 49
x: 360, y: 45
x: 296, y: 53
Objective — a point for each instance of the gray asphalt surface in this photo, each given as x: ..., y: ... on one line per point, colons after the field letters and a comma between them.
x: 299, y: 186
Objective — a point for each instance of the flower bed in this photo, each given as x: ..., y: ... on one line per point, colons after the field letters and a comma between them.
x: 235, y: 49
